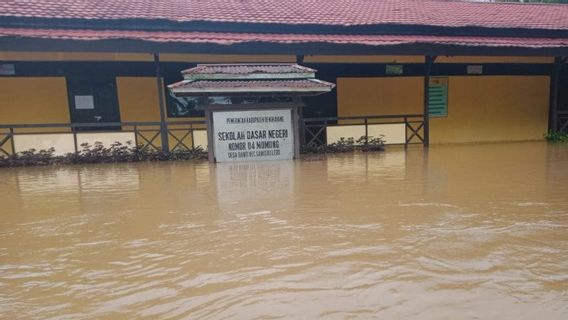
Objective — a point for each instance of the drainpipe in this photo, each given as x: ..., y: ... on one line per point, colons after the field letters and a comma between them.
x: 427, y: 70
x: 553, y: 100
x: 161, y: 95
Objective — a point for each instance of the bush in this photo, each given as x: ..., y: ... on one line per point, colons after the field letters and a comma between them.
x: 97, y: 153
x: 348, y: 145
x: 372, y: 143
x: 118, y: 152
x: 556, y: 136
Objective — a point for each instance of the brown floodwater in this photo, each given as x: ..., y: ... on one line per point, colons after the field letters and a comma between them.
x: 458, y: 232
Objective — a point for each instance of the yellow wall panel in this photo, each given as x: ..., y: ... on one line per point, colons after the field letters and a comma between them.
x: 379, y: 96
x: 33, y: 100
x: 493, y: 59
x: 138, y: 99
x: 73, y: 56
x: 104, y: 56
x: 493, y: 108
x: 480, y: 109
x: 335, y: 133
x: 200, y: 137
x: 391, y: 133
x: 363, y: 59
x: 62, y: 143
x: 219, y: 58
x: 28, y: 56
x: 104, y: 138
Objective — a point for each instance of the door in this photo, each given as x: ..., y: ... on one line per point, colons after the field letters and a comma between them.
x: 93, y: 101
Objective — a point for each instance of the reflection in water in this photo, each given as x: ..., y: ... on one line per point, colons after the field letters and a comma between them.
x: 71, y: 184
x: 240, y: 185
x: 467, y: 232
x: 385, y: 165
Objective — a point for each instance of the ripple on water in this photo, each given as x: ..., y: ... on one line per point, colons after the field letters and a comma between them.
x: 453, y: 233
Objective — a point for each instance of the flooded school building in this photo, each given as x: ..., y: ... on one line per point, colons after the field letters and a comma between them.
x: 423, y: 72
x: 464, y: 215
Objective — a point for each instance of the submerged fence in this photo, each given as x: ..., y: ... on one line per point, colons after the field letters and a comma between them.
x: 69, y: 137
x: 562, y: 118
x: 187, y: 135
x: 394, y: 129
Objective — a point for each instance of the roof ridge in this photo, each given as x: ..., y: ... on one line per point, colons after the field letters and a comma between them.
x: 250, y: 64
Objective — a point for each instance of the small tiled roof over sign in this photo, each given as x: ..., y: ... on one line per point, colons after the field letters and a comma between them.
x: 251, y: 87
x: 249, y: 71
x: 250, y: 79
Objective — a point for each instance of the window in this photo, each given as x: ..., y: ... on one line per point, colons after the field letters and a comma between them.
x: 193, y: 106
x: 183, y: 106
x: 438, y: 97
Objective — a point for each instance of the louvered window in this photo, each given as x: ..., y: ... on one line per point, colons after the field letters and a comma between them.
x: 438, y: 97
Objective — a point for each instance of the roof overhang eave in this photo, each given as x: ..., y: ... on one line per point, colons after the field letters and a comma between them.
x: 249, y: 91
x: 228, y: 76
x: 19, y: 43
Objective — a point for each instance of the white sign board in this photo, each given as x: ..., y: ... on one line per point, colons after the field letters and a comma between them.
x: 84, y: 102
x: 7, y: 69
x: 254, y: 135
x: 474, y: 69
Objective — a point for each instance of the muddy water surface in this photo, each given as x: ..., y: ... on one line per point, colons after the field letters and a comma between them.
x: 459, y: 232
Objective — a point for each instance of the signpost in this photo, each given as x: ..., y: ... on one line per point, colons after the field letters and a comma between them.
x: 253, y: 135
x: 252, y: 111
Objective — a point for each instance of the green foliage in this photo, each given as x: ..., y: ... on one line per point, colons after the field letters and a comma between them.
x: 371, y: 143
x: 348, y: 145
x: 97, y: 153
x: 118, y: 152
x: 556, y: 136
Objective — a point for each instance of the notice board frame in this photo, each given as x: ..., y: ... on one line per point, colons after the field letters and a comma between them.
x: 295, y: 108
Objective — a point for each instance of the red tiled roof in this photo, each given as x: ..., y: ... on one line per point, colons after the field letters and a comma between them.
x: 240, y: 38
x: 248, y: 68
x: 296, y: 12
x: 250, y: 86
